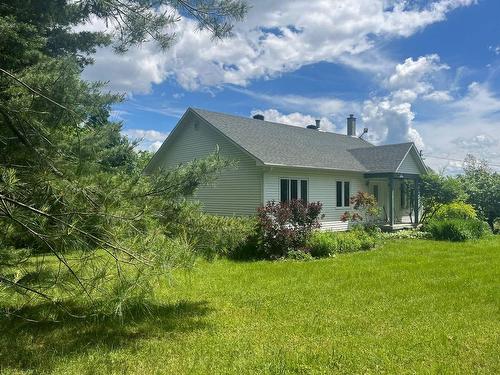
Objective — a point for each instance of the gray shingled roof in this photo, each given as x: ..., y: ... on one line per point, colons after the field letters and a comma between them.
x: 382, y: 158
x: 280, y: 144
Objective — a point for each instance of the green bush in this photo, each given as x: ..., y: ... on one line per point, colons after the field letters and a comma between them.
x: 457, y: 229
x: 212, y: 235
x: 496, y: 226
x: 299, y: 255
x: 456, y: 210
x: 406, y: 234
x: 222, y: 235
x: 323, y: 244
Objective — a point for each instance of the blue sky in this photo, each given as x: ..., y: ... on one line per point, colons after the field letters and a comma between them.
x: 422, y: 71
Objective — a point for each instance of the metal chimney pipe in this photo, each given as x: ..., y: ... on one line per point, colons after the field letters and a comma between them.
x: 351, y: 125
x: 318, y: 124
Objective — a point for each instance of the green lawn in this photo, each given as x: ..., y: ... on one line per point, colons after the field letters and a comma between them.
x: 410, y: 306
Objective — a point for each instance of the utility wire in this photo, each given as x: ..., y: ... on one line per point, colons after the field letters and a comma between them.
x: 452, y: 159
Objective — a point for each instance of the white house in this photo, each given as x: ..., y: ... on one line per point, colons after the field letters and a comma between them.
x: 281, y: 162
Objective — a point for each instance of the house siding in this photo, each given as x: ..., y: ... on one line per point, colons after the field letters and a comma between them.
x: 322, y: 188
x: 409, y: 165
x: 238, y: 190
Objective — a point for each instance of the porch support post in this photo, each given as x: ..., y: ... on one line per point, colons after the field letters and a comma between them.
x: 391, y: 201
x: 415, y: 204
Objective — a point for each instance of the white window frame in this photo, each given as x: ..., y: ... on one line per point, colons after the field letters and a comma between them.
x: 342, y: 193
x: 299, y: 187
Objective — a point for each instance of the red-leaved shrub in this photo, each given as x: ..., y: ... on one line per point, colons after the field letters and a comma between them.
x: 287, y: 226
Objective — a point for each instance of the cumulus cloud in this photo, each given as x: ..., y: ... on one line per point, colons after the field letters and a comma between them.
x: 414, y: 78
x: 276, y: 37
x: 390, y: 122
x: 295, y: 118
x: 469, y: 124
x: 148, y: 140
x: 391, y: 117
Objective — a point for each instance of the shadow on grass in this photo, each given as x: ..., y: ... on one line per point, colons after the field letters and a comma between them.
x: 38, y: 346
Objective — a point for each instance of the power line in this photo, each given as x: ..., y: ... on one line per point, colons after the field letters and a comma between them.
x: 452, y: 159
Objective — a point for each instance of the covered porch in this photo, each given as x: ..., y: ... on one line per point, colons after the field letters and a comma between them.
x: 397, y: 195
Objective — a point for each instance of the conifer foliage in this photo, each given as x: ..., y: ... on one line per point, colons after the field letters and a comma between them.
x: 70, y: 184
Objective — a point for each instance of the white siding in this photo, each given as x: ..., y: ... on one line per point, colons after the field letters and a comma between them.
x: 409, y: 164
x: 237, y: 191
x: 322, y: 187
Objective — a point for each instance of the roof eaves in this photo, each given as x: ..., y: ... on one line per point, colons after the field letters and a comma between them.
x: 315, y: 167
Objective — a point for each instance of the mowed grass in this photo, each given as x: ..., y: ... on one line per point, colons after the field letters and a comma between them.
x: 410, y: 306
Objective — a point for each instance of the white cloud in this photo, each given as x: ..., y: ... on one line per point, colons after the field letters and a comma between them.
x: 390, y: 122
x: 411, y: 73
x: 438, y: 96
x: 495, y: 49
x: 149, y: 140
x: 391, y: 117
x: 295, y: 118
x: 414, y: 78
x: 319, y: 105
x: 470, y: 124
x: 276, y: 37
x: 477, y: 142
x: 118, y: 115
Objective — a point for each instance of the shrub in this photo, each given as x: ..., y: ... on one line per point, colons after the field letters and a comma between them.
x: 322, y: 244
x: 496, y: 226
x: 457, y: 229
x: 299, y: 255
x: 407, y: 234
x: 211, y: 235
x: 224, y: 235
x: 456, y: 210
x: 366, y: 209
x: 287, y: 226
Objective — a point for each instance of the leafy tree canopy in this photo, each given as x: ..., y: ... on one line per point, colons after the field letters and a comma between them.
x: 482, y: 186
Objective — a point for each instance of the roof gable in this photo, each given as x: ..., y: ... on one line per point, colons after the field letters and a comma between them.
x: 412, y: 162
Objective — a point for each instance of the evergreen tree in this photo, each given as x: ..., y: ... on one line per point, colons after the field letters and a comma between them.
x: 70, y: 184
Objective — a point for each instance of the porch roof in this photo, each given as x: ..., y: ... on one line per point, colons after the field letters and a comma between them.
x: 382, y: 159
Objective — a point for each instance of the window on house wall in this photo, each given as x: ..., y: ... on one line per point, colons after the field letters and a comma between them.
x: 284, y: 190
x: 375, y: 192
x: 343, y: 193
x: 347, y: 193
x: 303, y: 190
x: 293, y: 189
x: 339, y: 193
